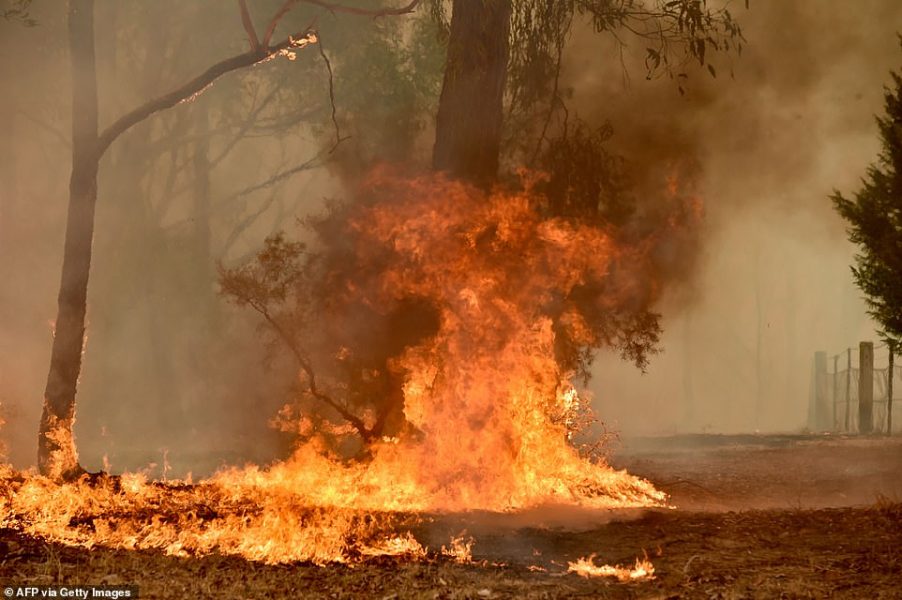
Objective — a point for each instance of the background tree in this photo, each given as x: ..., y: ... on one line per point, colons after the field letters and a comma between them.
x: 502, y: 52
x: 502, y: 63
x: 18, y: 10
x: 874, y: 216
x: 56, y: 451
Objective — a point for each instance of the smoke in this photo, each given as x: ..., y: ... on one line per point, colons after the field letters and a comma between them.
x: 169, y: 369
x: 779, y: 128
x: 169, y: 365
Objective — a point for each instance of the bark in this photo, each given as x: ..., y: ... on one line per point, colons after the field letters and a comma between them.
x: 469, y: 120
x: 56, y: 448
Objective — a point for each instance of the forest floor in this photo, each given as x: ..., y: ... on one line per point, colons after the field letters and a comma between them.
x: 755, y: 517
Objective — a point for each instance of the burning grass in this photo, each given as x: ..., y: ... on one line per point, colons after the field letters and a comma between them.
x: 849, y: 552
x: 476, y: 409
x: 837, y: 553
x: 246, y: 513
x: 586, y: 567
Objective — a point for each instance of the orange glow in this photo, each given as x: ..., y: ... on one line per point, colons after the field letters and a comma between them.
x: 586, y: 567
x: 489, y: 409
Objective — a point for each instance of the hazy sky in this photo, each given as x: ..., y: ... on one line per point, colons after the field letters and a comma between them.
x: 773, y: 285
x: 770, y: 287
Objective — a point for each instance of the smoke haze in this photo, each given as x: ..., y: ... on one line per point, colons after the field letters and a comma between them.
x: 170, y: 366
x: 772, y: 282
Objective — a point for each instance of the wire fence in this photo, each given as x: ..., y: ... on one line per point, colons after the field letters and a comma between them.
x: 838, y: 389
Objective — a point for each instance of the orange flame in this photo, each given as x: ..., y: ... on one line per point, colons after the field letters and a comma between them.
x: 487, y: 404
x: 586, y: 567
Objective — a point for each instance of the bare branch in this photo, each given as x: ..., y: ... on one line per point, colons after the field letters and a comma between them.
x: 278, y: 177
x: 305, y: 365
x: 198, y: 85
x: 336, y: 8
x: 271, y: 28
x: 249, y: 26
x: 555, y: 98
x: 47, y: 126
x: 338, y: 138
x: 353, y: 10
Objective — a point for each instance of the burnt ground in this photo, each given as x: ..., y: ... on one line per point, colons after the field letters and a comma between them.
x: 756, y: 517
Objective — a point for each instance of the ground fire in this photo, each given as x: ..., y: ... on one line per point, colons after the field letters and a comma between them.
x: 450, y: 299
x: 488, y: 410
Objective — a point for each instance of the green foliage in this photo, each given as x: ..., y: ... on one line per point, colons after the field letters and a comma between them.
x: 266, y: 281
x: 678, y: 32
x: 874, y: 216
x: 387, y: 81
x: 585, y: 181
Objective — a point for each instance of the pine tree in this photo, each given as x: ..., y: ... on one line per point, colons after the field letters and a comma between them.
x: 875, y: 222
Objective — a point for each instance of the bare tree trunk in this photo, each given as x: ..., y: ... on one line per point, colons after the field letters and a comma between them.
x: 469, y: 120
x: 56, y: 446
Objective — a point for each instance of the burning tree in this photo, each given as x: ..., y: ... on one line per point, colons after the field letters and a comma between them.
x: 875, y: 222
x: 438, y: 318
x: 495, y: 50
x: 448, y: 312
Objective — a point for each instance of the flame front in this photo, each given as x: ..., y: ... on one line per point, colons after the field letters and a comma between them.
x: 488, y: 408
x: 586, y: 567
x: 486, y: 391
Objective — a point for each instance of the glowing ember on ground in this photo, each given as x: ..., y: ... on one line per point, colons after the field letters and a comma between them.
x: 586, y: 567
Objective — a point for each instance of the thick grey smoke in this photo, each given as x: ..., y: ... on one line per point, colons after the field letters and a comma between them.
x: 772, y: 282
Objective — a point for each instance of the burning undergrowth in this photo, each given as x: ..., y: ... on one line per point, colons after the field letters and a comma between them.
x: 438, y: 330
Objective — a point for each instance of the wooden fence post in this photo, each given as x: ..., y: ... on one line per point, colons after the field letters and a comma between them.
x: 848, y: 386
x: 865, y: 387
x: 889, y: 392
x: 835, y: 392
x: 821, y: 410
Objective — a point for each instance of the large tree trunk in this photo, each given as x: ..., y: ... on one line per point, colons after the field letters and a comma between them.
x: 56, y: 448
x: 468, y: 124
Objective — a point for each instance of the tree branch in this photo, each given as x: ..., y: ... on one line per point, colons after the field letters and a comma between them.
x: 336, y: 8
x: 338, y: 138
x: 249, y: 26
x: 197, y: 85
x: 305, y: 365
x: 555, y: 98
x: 49, y: 127
x: 271, y: 28
x: 366, y: 12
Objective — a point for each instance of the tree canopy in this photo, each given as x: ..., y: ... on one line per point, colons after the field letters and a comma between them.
x: 874, y: 216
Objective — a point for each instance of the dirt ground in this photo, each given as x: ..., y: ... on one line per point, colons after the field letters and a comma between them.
x: 755, y: 517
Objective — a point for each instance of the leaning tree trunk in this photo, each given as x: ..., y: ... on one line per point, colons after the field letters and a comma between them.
x: 468, y: 124
x: 56, y: 447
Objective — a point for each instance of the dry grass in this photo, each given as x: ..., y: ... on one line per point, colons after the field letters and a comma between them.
x: 784, y: 551
x: 847, y: 553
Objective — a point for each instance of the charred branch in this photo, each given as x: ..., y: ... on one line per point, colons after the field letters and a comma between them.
x: 197, y: 85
